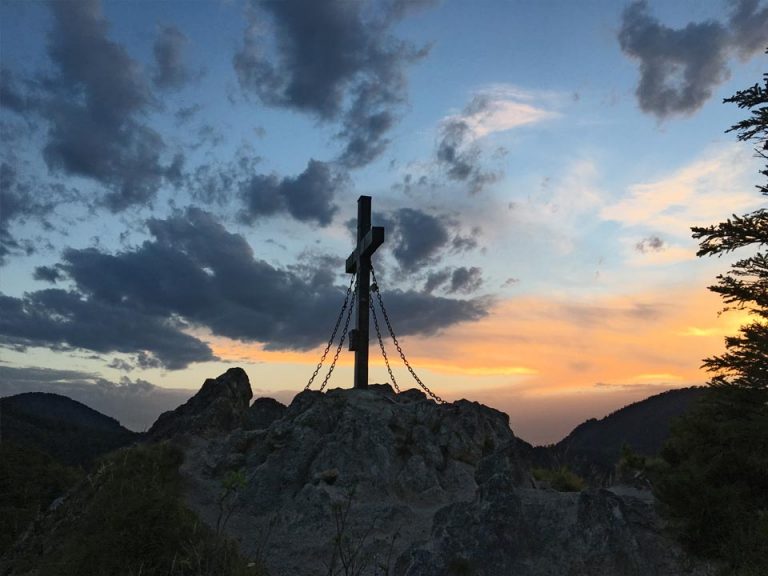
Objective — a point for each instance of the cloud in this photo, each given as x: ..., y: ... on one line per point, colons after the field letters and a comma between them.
x: 68, y: 320
x: 496, y: 109
x: 136, y: 404
x: 501, y: 108
x: 192, y: 276
x: 458, y: 280
x: 707, y: 190
x: 350, y: 69
x: 466, y: 280
x: 17, y: 203
x: 420, y: 313
x: 650, y: 244
x: 186, y: 113
x: 48, y: 274
x: 221, y: 182
x: 307, y: 197
x: 170, y: 71
x: 747, y: 27
x: 11, y: 97
x: 679, y: 68
x: 653, y: 251
x: 459, y: 157
x: 436, y: 279
x: 93, y: 103
x: 416, y: 238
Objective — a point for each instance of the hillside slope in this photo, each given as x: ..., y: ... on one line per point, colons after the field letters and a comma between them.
x: 70, y: 431
x: 593, y: 448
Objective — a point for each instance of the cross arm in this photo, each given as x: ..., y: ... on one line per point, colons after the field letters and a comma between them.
x: 372, y: 240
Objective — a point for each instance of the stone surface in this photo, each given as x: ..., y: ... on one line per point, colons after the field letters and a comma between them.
x: 416, y: 487
x: 535, y: 532
x: 262, y: 413
x: 219, y: 407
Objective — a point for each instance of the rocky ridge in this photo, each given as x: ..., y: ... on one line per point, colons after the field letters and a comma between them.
x: 398, y: 484
x: 220, y: 405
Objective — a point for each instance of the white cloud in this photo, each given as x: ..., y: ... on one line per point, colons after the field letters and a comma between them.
x: 499, y: 108
x: 708, y: 190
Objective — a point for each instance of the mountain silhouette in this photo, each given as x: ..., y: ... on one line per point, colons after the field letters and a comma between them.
x: 68, y: 430
x: 593, y: 448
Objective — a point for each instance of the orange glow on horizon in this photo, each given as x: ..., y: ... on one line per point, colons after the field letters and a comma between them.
x: 541, y: 346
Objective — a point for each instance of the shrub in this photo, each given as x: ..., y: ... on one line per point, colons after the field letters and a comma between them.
x: 128, y: 518
x: 30, y: 481
x: 561, y: 479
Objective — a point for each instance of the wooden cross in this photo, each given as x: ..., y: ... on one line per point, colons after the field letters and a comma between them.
x: 368, y: 239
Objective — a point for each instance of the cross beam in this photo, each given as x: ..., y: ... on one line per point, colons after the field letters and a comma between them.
x: 368, y: 240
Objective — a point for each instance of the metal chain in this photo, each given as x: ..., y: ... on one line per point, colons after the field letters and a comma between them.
x: 341, y: 340
x: 376, y: 290
x: 333, y: 335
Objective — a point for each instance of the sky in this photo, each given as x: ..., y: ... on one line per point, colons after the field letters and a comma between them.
x: 179, y: 184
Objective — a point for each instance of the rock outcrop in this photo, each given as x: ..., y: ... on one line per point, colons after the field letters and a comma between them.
x: 398, y: 482
x: 534, y: 532
x: 220, y: 406
x: 262, y: 413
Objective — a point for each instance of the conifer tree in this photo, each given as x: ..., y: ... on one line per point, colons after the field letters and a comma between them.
x: 714, y: 484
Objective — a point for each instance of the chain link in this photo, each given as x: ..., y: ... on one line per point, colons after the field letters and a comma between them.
x: 375, y: 289
x: 333, y: 335
x: 341, y: 340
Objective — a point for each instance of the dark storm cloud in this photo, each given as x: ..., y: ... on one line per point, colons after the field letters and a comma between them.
x: 194, y: 273
x: 748, y: 27
x: 93, y: 104
x: 466, y: 243
x: 650, y: 244
x: 679, y: 68
x: 437, y: 279
x: 65, y: 319
x: 17, y: 203
x: 307, y: 197
x: 48, y: 274
x: 170, y: 69
x: 349, y: 68
x: 458, y: 155
x: 418, y: 312
x: 221, y: 182
x: 11, y: 97
x: 134, y: 403
x: 458, y: 280
x: 185, y: 113
x: 466, y: 280
x: 417, y: 237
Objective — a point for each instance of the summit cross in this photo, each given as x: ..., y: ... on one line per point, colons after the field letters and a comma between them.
x: 368, y: 240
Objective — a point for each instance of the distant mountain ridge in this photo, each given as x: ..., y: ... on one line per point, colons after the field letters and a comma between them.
x: 593, y: 448
x: 64, y: 428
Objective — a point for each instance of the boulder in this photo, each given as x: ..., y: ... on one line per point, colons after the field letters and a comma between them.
x: 219, y: 407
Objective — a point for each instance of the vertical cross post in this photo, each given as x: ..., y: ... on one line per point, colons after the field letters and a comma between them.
x: 368, y: 240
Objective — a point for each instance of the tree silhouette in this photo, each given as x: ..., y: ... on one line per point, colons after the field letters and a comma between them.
x: 714, y: 481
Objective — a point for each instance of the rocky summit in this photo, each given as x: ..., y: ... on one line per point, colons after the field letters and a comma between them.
x: 373, y: 482
x: 219, y: 406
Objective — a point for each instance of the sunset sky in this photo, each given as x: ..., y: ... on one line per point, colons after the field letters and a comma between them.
x: 178, y: 187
